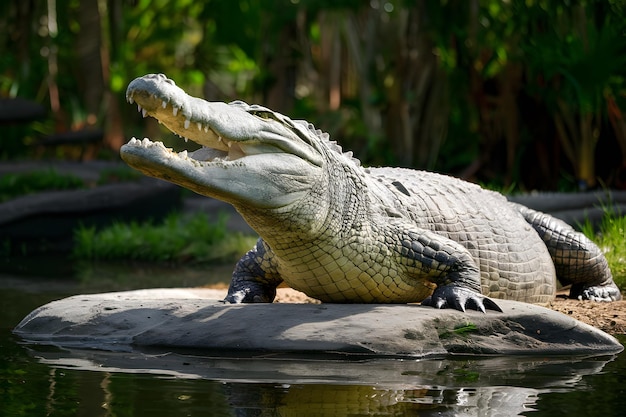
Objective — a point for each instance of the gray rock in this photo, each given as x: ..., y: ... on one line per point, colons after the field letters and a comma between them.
x: 576, y: 208
x: 192, y: 318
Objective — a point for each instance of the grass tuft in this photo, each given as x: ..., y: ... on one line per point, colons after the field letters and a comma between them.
x: 18, y: 184
x: 178, y: 239
x: 611, y: 238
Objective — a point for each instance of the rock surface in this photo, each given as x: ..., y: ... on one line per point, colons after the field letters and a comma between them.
x: 576, y: 208
x: 195, y: 318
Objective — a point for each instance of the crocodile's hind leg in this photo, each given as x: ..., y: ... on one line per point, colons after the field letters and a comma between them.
x: 577, y: 260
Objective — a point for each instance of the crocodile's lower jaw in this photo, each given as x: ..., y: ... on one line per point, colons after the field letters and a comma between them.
x: 232, y: 177
x: 201, y: 171
x: 204, y: 154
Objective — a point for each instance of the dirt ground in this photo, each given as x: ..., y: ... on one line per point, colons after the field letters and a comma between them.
x: 610, y: 317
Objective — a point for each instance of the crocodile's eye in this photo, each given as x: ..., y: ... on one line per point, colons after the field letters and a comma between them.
x: 263, y: 115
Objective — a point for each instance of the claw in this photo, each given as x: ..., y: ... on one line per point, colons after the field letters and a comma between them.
x: 438, y: 304
x: 460, y: 299
x: 491, y: 305
x: 475, y: 304
x: 236, y: 297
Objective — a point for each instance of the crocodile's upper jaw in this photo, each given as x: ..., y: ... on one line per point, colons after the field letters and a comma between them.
x: 244, y: 159
x: 236, y: 128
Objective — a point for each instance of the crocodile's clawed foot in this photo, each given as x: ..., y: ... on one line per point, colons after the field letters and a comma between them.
x: 606, y: 293
x: 460, y: 298
x: 249, y: 295
x: 235, y: 297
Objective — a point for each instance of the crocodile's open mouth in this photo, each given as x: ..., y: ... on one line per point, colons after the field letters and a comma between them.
x: 213, y: 147
x: 248, y: 155
x: 226, y: 132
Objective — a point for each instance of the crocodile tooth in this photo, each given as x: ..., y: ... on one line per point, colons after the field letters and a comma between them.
x: 183, y: 154
x: 174, y: 110
x: 164, y: 104
x: 186, y: 123
x: 138, y: 107
x: 186, y: 140
x: 219, y: 138
x: 230, y: 144
x: 144, y: 113
x: 130, y: 99
x: 199, y: 126
x: 206, y: 129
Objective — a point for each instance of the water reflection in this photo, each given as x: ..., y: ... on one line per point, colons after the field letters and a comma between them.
x: 271, y: 385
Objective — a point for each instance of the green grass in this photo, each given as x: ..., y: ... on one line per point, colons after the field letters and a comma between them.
x: 611, y: 238
x: 177, y: 239
x: 18, y: 184
x: 459, y: 330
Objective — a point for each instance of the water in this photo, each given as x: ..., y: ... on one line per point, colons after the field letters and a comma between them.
x: 47, y: 381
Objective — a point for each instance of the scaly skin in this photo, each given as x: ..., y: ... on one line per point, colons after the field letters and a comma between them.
x: 343, y: 233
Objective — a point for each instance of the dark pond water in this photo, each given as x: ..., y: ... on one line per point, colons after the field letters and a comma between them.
x: 46, y: 381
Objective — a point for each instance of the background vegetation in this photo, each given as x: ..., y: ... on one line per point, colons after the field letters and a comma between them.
x: 176, y: 240
x: 14, y: 185
x: 508, y: 92
x: 610, y: 238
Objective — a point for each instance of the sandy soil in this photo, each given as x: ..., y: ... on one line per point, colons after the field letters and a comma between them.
x: 610, y: 317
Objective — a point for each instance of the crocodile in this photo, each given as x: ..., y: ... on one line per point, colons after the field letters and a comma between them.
x: 344, y: 233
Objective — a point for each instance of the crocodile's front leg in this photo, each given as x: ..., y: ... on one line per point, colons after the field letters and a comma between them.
x: 447, y: 264
x: 255, y: 277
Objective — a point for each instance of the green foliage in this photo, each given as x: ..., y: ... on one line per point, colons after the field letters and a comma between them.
x: 473, y: 87
x: 14, y: 185
x: 177, y: 239
x: 462, y: 329
x: 611, y: 238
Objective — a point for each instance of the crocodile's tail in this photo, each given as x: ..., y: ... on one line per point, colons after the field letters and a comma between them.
x: 577, y: 260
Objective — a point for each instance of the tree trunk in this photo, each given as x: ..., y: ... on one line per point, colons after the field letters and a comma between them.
x: 88, y: 49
